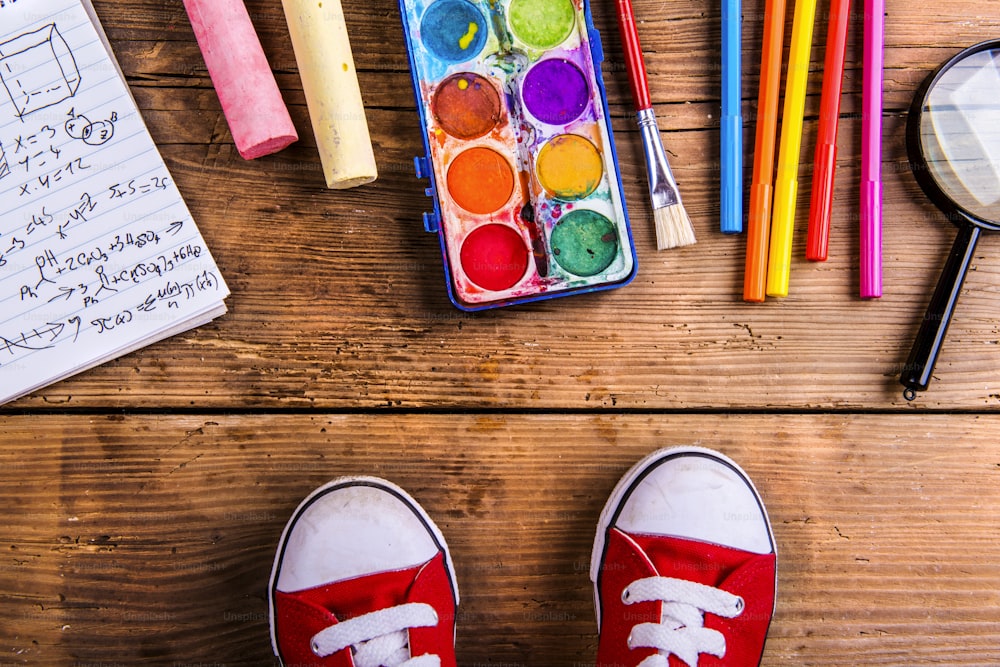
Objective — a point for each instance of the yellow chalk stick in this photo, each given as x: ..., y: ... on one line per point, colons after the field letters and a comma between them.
x: 330, y: 83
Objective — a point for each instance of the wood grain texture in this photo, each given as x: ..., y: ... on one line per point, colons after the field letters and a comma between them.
x: 143, y: 499
x: 136, y: 539
x: 339, y: 299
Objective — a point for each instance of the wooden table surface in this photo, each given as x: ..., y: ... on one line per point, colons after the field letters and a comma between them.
x: 144, y: 498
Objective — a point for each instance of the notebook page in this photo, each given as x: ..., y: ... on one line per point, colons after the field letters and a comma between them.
x: 99, y: 254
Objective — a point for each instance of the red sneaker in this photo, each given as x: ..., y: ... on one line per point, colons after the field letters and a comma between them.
x: 362, y: 578
x: 684, y: 565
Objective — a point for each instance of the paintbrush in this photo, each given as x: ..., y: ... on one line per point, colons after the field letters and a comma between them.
x: 673, y: 226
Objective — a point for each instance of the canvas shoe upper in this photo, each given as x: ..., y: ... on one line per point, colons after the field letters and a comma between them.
x: 684, y: 565
x: 362, y: 578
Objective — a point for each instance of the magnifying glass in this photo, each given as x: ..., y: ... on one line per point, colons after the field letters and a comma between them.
x: 953, y: 141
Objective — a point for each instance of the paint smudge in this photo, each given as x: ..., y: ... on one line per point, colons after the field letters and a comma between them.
x: 465, y: 41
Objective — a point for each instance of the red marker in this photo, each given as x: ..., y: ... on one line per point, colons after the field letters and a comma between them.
x: 818, y: 234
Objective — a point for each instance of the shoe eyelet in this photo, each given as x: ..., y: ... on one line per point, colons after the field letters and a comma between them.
x: 314, y: 645
x: 626, y: 595
x: 740, y: 604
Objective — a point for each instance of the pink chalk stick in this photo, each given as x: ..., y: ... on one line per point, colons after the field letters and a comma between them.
x: 251, y: 101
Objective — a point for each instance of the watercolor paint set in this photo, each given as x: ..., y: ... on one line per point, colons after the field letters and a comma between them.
x: 527, y: 197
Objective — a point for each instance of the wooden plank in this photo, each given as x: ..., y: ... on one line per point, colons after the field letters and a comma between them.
x: 339, y: 299
x: 150, y: 538
x: 135, y: 535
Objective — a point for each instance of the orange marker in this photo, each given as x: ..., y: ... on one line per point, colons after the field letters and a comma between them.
x: 761, y: 191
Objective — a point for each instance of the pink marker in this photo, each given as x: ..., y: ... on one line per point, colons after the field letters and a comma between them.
x: 871, y: 150
x: 251, y: 101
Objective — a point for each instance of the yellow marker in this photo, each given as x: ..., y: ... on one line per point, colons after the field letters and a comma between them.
x: 786, y: 179
x: 330, y: 83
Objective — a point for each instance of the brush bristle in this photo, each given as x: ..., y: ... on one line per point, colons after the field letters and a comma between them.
x: 673, y: 227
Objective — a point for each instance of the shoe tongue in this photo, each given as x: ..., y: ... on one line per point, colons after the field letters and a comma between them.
x: 691, y: 560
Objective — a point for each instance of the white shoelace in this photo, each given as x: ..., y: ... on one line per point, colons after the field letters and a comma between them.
x: 379, y: 638
x: 681, y: 629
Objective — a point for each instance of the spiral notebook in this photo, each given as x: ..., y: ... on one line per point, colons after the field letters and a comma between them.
x: 99, y: 254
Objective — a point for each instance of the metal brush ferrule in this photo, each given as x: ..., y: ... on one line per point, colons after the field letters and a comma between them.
x: 662, y: 187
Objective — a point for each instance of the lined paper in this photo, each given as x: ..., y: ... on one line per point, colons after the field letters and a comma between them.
x: 99, y: 254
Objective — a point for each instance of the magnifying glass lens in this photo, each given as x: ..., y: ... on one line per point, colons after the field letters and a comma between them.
x: 960, y: 133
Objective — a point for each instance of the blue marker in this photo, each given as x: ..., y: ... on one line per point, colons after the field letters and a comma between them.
x: 731, y: 128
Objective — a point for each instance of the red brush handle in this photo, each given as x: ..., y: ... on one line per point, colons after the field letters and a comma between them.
x: 634, y: 63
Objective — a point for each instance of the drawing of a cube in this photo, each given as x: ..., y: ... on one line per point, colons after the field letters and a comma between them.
x: 38, y: 69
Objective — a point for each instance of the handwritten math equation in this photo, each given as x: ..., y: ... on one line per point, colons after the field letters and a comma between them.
x: 47, y: 335
x: 43, y: 158
x: 85, y: 278
x: 84, y: 207
x: 98, y: 251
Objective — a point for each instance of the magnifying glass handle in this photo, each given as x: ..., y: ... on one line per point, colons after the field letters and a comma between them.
x: 917, y: 372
